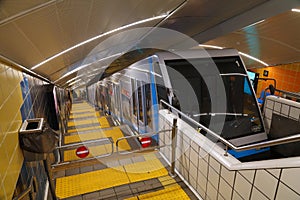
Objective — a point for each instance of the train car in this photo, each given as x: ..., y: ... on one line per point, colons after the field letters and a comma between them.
x: 212, y: 87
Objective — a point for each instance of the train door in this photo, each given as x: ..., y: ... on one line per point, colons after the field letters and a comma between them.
x: 109, y: 98
x: 134, y: 105
x: 141, y: 106
x: 105, y: 99
x: 117, y: 101
x: 125, y: 102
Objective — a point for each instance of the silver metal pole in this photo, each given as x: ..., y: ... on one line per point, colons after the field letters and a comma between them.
x: 174, y: 133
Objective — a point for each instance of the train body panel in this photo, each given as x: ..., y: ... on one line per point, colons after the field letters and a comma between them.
x: 211, y: 86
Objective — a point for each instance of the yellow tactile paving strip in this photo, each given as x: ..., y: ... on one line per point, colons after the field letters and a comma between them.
x: 83, y: 115
x: 103, y: 122
x: 77, y: 122
x: 115, y: 134
x: 86, y: 110
x: 145, y: 170
x: 173, y: 193
x: 89, y: 182
x: 166, y: 181
x: 83, y: 137
x: 97, y: 180
x: 75, y: 130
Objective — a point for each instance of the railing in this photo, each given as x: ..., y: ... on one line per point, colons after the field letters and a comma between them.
x: 146, y: 135
x: 101, y: 141
x: 290, y: 94
x: 259, y: 145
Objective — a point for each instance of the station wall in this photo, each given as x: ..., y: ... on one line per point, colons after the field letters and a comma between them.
x: 287, y: 77
x: 18, y: 92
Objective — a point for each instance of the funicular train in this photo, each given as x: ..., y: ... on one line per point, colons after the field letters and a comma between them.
x: 212, y: 87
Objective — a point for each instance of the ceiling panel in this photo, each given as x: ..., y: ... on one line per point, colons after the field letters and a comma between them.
x: 10, y: 8
x: 274, y: 41
x: 34, y: 30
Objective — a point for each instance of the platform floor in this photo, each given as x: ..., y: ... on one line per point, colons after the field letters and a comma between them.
x: 132, y: 176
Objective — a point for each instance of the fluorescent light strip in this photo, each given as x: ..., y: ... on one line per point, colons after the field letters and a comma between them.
x: 99, y: 36
x: 210, y: 46
x: 253, y: 58
x: 86, y: 65
x: 255, y: 23
x: 295, y: 10
x: 74, y: 82
x: 243, y: 54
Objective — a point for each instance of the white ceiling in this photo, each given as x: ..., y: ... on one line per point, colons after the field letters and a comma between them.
x: 32, y: 31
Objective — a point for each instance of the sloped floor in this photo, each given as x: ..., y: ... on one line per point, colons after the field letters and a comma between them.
x: 131, y: 176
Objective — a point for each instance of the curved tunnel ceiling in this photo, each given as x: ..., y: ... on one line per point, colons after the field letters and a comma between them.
x: 34, y: 31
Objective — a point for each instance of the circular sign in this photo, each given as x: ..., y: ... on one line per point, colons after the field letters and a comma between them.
x: 146, y: 142
x: 82, y: 152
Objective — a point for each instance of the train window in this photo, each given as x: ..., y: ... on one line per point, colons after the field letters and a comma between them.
x: 134, y: 101
x: 242, y: 113
x: 148, y: 105
x: 141, y: 114
x: 125, y: 96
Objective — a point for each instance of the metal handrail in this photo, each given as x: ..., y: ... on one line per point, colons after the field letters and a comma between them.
x: 292, y: 94
x: 87, y: 142
x: 140, y: 136
x: 107, y: 140
x: 269, y: 143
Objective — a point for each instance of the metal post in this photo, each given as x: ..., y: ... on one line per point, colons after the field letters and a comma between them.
x: 51, y: 184
x: 174, y: 133
x: 226, y: 151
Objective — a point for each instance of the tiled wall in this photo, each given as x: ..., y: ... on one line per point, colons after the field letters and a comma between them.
x: 280, y: 106
x: 10, y: 122
x: 287, y: 77
x: 211, y: 179
x: 21, y: 97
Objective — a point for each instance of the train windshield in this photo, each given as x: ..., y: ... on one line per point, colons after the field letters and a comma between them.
x: 236, y: 112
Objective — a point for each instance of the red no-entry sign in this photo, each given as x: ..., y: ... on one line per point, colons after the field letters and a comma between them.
x: 82, y: 152
x: 146, y: 142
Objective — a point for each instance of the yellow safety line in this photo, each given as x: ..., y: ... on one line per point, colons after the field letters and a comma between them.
x: 83, y: 110
x: 97, y: 180
x: 77, y: 122
x: 171, y: 193
x: 166, y: 181
x: 91, y: 181
x: 74, y: 116
x: 115, y: 134
x: 83, y: 137
x: 75, y: 130
x: 145, y: 170
x: 103, y: 122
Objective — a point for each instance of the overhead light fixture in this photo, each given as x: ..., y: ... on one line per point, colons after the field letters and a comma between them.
x: 295, y: 10
x: 253, y: 58
x: 210, y: 46
x: 86, y: 65
x: 70, y: 84
x: 243, y: 54
x: 255, y: 23
x: 99, y: 36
